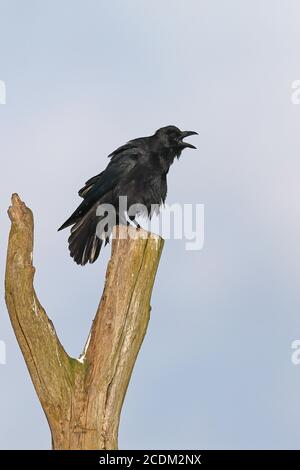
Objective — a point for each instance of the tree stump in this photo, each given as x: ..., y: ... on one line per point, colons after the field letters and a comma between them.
x: 82, y: 398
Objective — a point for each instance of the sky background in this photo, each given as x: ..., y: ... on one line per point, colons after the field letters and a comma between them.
x: 82, y: 78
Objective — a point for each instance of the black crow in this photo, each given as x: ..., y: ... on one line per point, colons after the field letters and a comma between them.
x: 137, y: 170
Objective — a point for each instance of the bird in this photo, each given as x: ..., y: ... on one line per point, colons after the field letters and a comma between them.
x: 138, y: 171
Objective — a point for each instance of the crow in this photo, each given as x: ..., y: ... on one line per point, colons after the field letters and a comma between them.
x: 137, y: 170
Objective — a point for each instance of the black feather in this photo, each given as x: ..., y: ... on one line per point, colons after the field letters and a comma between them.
x: 137, y: 170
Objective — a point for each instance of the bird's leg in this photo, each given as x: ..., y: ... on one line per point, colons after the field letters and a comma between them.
x: 135, y: 223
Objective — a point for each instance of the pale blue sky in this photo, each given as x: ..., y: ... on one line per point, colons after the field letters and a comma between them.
x: 82, y: 77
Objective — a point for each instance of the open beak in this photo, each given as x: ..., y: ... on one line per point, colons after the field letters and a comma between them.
x: 186, y: 144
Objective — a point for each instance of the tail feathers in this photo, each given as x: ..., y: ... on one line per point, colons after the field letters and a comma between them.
x: 64, y: 225
x: 70, y: 221
x: 79, y: 214
x: 84, y: 242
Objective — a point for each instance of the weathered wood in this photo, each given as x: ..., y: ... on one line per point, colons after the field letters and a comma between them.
x: 82, y: 398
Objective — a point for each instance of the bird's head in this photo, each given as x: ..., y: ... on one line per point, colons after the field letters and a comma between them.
x: 172, y: 137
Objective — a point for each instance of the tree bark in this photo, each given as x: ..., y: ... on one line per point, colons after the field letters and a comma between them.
x: 82, y: 398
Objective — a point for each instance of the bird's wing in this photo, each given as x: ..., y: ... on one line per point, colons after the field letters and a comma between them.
x: 122, y: 160
x: 98, y: 186
x: 129, y: 147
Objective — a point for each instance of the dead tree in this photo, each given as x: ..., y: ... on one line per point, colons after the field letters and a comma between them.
x: 82, y: 398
